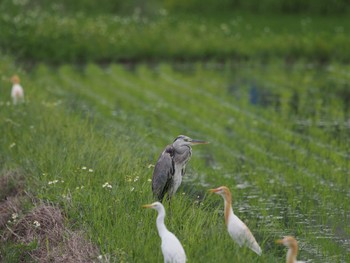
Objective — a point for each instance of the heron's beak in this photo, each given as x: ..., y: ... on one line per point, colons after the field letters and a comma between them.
x: 147, y: 206
x: 194, y: 142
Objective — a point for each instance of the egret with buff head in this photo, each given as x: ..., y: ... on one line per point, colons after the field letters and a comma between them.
x: 17, y: 93
x: 238, y: 231
x: 291, y: 243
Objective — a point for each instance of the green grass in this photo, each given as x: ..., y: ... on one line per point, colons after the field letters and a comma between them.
x: 279, y: 138
x: 51, y: 37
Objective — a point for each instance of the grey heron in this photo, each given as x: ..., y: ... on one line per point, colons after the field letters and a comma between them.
x: 170, y: 167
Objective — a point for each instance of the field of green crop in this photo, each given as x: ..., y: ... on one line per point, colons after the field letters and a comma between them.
x: 43, y: 36
x: 279, y: 139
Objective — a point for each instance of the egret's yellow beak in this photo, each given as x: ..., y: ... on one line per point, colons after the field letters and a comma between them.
x: 213, y: 190
x: 147, y: 206
x: 279, y: 241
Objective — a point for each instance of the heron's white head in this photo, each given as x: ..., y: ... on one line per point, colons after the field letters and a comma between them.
x: 223, y: 191
x: 288, y: 241
x: 183, y: 140
x: 156, y: 205
x: 15, y: 79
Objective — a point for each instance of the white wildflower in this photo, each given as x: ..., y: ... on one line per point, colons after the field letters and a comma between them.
x: 90, y: 170
x: 106, y: 184
x: 36, y: 223
x: 83, y: 168
x: 14, y: 216
x: 53, y: 182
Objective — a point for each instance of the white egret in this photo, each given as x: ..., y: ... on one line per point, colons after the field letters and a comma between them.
x: 238, y: 231
x: 292, y: 245
x: 17, y: 92
x: 172, y: 249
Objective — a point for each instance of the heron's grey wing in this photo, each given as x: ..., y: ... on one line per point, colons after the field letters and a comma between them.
x: 163, y: 173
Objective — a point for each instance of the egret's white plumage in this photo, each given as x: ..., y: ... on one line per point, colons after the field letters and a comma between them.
x: 172, y: 249
x: 17, y: 93
x: 292, y: 245
x: 238, y: 231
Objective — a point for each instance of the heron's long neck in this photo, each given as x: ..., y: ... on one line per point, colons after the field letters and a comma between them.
x: 183, y: 154
x: 228, y: 208
x: 292, y: 254
x: 160, y: 223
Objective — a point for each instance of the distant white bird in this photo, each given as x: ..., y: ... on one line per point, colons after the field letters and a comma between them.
x: 238, y: 231
x: 17, y: 92
x: 292, y: 245
x: 172, y: 249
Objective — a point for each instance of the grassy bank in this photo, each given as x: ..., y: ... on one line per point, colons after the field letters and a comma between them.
x: 42, y: 36
x: 278, y: 138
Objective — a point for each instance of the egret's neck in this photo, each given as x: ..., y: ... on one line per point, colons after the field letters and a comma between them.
x: 160, y: 222
x: 292, y: 254
x: 228, y: 208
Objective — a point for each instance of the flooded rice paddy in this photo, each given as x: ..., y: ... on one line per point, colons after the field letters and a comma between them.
x: 279, y: 137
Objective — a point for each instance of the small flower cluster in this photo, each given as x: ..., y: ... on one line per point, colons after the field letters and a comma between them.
x: 14, y: 218
x: 85, y: 168
x: 106, y: 185
x: 36, y: 223
x: 54, y: 182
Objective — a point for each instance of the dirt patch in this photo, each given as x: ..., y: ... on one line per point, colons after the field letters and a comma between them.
x: 11, y: 183
x: 43, y: 229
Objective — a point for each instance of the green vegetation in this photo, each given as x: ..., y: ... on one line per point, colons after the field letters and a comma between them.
x: 267, y: 83
x: 45, y: 36
x: 279, y: 138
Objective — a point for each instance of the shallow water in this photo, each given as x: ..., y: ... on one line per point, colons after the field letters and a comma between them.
x: 290, y: 126
x: 279, y: 138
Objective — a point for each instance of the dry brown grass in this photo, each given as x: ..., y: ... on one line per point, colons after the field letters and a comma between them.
x: 11, y: 183
x: 11, y: 190
x: 44, y: 225
x: 8, y: 207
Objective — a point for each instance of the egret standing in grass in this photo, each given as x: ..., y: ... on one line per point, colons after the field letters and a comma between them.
x: 292, y: 245
x: 172, y: 249
x: 238, y: 231
x: 17, y: 93
x: 170, y: 167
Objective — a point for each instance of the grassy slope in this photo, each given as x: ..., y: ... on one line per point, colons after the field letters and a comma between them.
x: 287, y: 169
